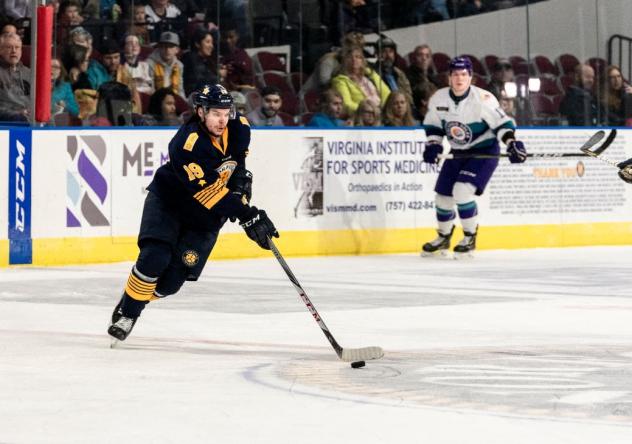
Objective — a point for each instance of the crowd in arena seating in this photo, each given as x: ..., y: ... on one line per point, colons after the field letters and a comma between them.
x: 147, y: 57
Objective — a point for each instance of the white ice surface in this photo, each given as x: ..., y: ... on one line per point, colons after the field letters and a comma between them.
x: 511, y: 347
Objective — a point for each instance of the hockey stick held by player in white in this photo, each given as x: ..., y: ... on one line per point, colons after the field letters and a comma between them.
x: 625, y: 167
x: 586, y: 150
x: 346, y: 354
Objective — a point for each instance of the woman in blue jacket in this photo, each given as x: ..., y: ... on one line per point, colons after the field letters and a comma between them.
x: 62, y: 97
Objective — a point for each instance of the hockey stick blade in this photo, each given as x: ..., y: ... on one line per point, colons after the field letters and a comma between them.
x: 361, y: 354
x: 586, y: 148
x: 346, y: 354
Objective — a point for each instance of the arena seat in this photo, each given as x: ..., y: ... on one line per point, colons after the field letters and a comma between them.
x: 441, y: 61
x: 288, y: 119
x: 277, y: 80
x: 544, y: 66
x: 549, y: 86
x: 566, y: 63
x: 490, y: 61
x: 311, y: 99
x: 267, y: 61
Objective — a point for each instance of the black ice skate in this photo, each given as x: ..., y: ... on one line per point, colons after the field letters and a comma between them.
x: 467, y: 245
x: 439, y: 245
x: 120, y: 330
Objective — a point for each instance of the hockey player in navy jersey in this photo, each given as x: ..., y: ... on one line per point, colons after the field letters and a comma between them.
x: 190, y: 198
x: 472, y: 121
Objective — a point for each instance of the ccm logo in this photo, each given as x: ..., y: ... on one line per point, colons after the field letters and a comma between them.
x: 20, y: 187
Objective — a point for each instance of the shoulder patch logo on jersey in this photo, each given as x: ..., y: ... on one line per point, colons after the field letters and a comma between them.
x: 458, y: 133
x: 225, y: 170
x: 243, y: 120
x: 188, y: 145
x: 190, y: 258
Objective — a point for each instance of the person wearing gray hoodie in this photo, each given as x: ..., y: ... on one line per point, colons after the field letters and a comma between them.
x: 164, y: 67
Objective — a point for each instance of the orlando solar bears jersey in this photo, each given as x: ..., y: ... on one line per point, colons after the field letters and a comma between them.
x: 475, y: 122
x: 194, y: 181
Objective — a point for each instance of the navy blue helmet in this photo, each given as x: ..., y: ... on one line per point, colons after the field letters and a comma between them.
x: 213, y: 96
x: 459, y: 63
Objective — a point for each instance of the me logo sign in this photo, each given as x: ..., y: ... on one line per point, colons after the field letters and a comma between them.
x: 142, y: 159
x: 20, y: 245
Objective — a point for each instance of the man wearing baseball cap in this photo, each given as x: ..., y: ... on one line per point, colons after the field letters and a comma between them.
x: 164, y: 67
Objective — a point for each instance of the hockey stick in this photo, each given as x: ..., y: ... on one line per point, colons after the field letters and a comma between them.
x: 586, y: 150
x: 625, y: 167
x: 346, y: 354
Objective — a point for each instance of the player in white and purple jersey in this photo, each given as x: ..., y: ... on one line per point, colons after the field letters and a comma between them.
x: 472, y: 121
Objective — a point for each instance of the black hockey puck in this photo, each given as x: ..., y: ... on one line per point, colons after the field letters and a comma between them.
x: 358, y: 364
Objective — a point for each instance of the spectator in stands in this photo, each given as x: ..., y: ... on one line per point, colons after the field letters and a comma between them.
x: 109, y: 10
x: 137, y: 69
x: 69, y: 16
x: 9, y: 28
x: 615, y: 93
x: 330, y: 111
x: 140, y: 27
x: 352, y: 15
x: 76, y: 62
x: 579, y: 105
x: 502, y: 72
x: 15, y: 89
x: 199, y: 63
x: 391, y: 74
x: 357, y: 82
x: 329, y: 64
x: 421, y: 70
x: 397, y: 111
x: 164, y: 67
x: 238, y: 63
x: 237, y: 11
x: 114, y: 107
x: 62, y: 97
x: 428, y: 11
x: 17, y: 9
x: 87, y: 100
x: 161, y: 16
x: 189, y: 8
x: 96, y: 72
x: 240, y: 102
x: 162, y: 109
x: 111, y: 54
x: 268, y: 114
x: 421, y: 97
x: 368, y: 114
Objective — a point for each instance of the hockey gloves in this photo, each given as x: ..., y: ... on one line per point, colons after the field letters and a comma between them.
x: 241, y: 183
x: 432, y: 151
x: 516, y: 151
x: 625, y: 170
x: 258, y: 226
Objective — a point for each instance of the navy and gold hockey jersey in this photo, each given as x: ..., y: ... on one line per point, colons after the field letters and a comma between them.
x: 194, y: 181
